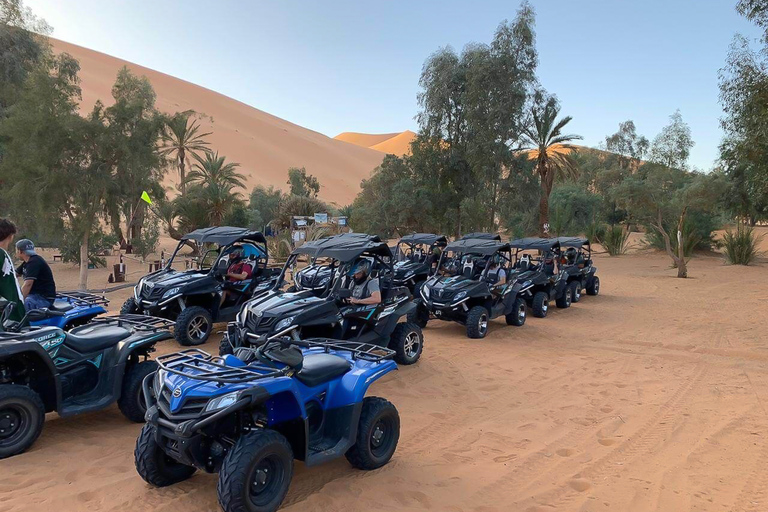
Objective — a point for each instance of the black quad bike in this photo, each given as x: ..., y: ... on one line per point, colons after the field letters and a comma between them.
x: 576, y: 261
x: 415, y: 258
x: 192, y: 298
x: 304, y: 314
x: 541, y: 279
x: 465, y: 288
x: 45, y: 369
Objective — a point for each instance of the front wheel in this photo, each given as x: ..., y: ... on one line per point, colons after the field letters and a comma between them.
x: 256, y: 473
x: 22, y: 415
x: 131, y: 402
x: 419, y: 316
x: 540, y: 304
x: 225, y: 347
x: 477, y: 322
x: 129, y: 307
x: 377, y: 434
x: 518, y: 315
x: 593, y: 287
x: 193, y: 326
x: 407, y: 341
x: 575, y: 291
x: 154, y: 465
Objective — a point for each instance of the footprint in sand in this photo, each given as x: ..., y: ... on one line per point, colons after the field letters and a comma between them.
x: 565, y: 452
x: 607, y: 408
x: 579, y: 484
x: 505, y: 458
x: 607, y: 441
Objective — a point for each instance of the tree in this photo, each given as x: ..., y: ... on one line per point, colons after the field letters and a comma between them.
x: 627, y: 143
x: 672, y: 146
x: 265, y: 205
x: 550, y: 148
x: 180, y: 139
x: 213, y: 170
x: 302, y: 184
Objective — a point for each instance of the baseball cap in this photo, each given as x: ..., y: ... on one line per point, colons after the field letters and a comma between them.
x: 26, y: 246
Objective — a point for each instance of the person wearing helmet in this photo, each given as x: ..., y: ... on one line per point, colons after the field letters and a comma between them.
x: 496, y: 275
x: 570, y: 256
x: 238, y: 270
x: 366, y: 290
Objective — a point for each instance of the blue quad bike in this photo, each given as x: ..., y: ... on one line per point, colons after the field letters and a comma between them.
x: 46, y: 369
x: 76, y: 308
x: 247, y: 416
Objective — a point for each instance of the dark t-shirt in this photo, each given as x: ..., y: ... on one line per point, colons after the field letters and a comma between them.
x: 40, y: 273
x: 240, y: 267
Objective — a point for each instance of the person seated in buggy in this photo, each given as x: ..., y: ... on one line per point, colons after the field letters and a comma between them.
x: 549, y: 264
x: 366, y: 290
x: 240, y: 271
x: 496, y: 275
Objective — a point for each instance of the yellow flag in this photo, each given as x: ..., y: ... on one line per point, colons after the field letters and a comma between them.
x: 146, y: 197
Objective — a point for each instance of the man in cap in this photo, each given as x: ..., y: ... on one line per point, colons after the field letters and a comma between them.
x: 366, y: 290
x: 38, y: 287
x: 9, y: 286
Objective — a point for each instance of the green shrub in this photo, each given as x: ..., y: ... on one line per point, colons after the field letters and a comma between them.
x: 99, y: 243
x: 698, y: 233
x: 595, y: 231
x: 147, y: 242
x: 615, y: 240
x: 741, y: 245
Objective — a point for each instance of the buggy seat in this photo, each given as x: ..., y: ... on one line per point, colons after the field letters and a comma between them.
x: 320, y: 368
x: 92, y: 338
x: 62, y: 305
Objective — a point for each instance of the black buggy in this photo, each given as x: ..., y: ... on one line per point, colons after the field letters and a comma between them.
x: 308, y: 314
x: 416, y: 256
x: 192, y: 298
x: 576, y: 260
x: 88, y: 368
x: 463, y: 288
x: 542, y: 281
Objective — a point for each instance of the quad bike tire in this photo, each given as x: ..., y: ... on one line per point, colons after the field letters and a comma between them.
x: 540, y: 305
x: 244, y: 466
x: 477, y: 322
x: 378, y: 432
x: 564, y: 301
x: 225, y: 347
x: 22, y: 415
x: 154, y: 465
x: 593, y: 286
x: 129, y: 307
x: 518, y: 315
x: 575, y: 287
x: 186, y: 330
x: 407, y: 341
x: 419, y: 316
x: 131, y: 402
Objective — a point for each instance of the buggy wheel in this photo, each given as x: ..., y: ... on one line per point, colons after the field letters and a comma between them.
x: 540, y: 304
x: 518, y: 314
x: 129, y: 307
x: 377, y: 434
x: 256, y: 473
x: 564, y: 301
x: 407, y: 341
x: 593, y: 286
x: 419, y: 316
x: 22, y: 415
x: 292, y: 289
x: 225, y: 347
x: 131, y: 402
x: 575, y: 291
x: 477, y: 322
x: 193, y: 326
x: 154, y: 465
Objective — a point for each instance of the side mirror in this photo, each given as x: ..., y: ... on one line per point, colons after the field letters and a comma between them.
x: 344, y: 293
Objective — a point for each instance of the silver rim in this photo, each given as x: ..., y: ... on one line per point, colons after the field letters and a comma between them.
x: 567, y: 298
x: 412, y: 344
x: 483, y: 324
x: 198, y: 328
x: 545, y: 306
x: 521, y: 312
x: 597, y: 286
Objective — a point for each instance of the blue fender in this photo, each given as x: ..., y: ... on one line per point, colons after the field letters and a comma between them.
x: 352, y: 387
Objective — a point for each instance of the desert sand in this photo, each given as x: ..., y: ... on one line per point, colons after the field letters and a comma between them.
x: 649, y: 397
x: 391, y: 143
x: 265, y: 145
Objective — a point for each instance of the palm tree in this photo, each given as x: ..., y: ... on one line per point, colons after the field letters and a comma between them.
x: 550, y: 149
x: 211, y: 170
x: 218, y: 201
x: 180, y: 138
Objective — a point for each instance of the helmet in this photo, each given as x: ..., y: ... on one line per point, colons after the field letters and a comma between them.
x: 362, y: 265
x: 570, y: 254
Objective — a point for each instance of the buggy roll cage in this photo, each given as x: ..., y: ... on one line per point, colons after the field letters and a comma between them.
x: 223, y: 236
x: 543, y: 245
x: 487, y: 247
x: 577, y: 243
x: 429, y: 239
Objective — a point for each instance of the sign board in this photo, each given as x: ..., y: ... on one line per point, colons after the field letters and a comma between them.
x: 342, y: 221
x: 321, y: 218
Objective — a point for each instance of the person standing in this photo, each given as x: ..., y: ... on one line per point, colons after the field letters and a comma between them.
x: 39, y: 288
x: 9, y: 286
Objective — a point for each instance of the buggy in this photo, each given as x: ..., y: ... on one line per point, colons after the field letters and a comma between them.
x: 327, y: 314
x: 463, y: 288
x: 192, y: 298
x: 542, y: 281
x: 576, y: 261
x: 415, y: 258
x: 45, y: 369
x: 247, y: 417
x: 77, y: 308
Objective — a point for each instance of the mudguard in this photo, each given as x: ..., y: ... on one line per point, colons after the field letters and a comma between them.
x: 36, y: 348
x: 354, y: 385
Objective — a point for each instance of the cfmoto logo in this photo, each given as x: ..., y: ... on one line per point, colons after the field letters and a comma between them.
x: 177, y: 392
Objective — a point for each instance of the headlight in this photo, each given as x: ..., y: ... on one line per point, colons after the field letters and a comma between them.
x: 459, y: 296
x: 157, y: 384
x: 171, y: 292
x: 527, y: 283
x: 137, y: 288
x: 324, y: 281
x: 222, y: 402
x: 409, y: 275
x: 282, y: 324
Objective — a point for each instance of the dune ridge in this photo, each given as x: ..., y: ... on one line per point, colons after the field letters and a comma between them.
x: 390, y: 143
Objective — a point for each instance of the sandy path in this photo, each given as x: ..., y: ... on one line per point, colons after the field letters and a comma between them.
x: 651, y: 397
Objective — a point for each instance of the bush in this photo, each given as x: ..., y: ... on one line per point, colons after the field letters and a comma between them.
x: 615, y: 240
x: 147, y: 242
x: 98, y: 244
x: 698, y: 233
x: 741, y: 245
x: 572, y: 209
x: 595, y: 231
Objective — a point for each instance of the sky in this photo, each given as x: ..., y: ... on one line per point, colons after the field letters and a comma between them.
x: 352, y: 65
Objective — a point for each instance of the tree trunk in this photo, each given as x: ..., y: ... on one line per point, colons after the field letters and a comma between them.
x: 682, y: 267
x: 543, y: 210
x: 182, y: 172
x: 83, y: 284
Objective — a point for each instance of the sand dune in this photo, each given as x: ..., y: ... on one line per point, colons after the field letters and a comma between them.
x: 390, y: 143
x: 265, y: 145
x: 365, y: 140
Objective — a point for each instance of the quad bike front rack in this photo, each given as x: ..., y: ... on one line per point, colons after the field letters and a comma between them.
x: 78, y: 298
x: 200, y: 365
x: 137, y: 323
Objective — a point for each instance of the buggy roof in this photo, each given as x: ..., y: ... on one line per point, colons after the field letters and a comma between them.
x: 345, y: 247
x: 543, y: 244
x: 224, y: 235
x: 477, y: 246
x: 423, y: 238
x: 572, y: 241
x: 481, y: 236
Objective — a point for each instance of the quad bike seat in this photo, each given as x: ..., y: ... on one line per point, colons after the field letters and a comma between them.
x: 62, y: 305
x: 92, y: 338
x: 319, y: 368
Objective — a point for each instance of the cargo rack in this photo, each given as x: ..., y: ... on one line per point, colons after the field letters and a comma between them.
x: 200, y: 365
x: 78, y: 298
x: 141, y: 323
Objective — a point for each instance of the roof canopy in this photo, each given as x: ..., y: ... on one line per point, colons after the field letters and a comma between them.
x: 572, y: 241
x: 481, y: 236
x: 542, y: 244
x: 345, y: 247
x: 477, y: 246
x: 224, y: 235
x: 423, y: 238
